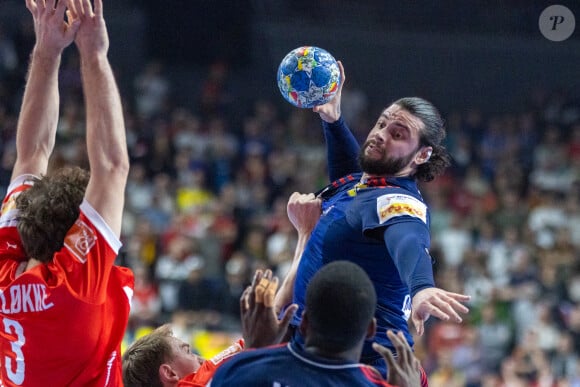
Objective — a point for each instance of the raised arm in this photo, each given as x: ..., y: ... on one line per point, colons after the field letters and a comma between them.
x: 106, y: 141
x: 36, y: 131
x: 304, y: 211
x: 341, y: 146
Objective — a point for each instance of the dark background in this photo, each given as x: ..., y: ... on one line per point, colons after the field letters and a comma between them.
x: 459, y: 54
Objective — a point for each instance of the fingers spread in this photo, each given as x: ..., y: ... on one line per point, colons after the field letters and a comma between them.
x: 244, y: 300
x: 31, y: 5
x: 60, y: 9
x: 270, y: 292
x: 288, y: 314
x: 99, y: 8
x: 87, y: 8
x: 419, y: 325
x: 72, y: 9
x: 260, y: 290
x: 342, y: 76
x: 401, y: 345
x: 435, y: 311
x: 448, y: 307
x: 386, y: 353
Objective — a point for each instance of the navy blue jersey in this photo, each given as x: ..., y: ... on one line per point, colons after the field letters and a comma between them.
x: 384, y: 228
x: 289, y: 366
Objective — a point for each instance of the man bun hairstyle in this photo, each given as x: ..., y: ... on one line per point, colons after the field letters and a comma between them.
x: 432, y: 135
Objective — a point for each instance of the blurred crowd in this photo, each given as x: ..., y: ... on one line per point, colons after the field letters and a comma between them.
x: 206, y: 206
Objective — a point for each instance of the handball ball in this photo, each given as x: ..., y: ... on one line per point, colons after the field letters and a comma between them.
x: 308, y: 76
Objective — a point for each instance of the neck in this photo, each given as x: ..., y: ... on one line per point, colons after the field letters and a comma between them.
x: 24, y: 266
x: 351, y: 355
x: 402, y: 173
x: 31, y: 263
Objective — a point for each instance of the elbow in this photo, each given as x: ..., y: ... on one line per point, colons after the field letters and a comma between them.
x: 121, y: 166
x: 117, y: 166
x: 117, y: 160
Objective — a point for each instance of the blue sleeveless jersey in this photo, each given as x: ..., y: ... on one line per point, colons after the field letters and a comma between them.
x: 352, y: 227
x: 290, y: 366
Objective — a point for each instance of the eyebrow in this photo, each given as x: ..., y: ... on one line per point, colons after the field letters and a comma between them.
x: 392, y: 116
x: 400, y: 121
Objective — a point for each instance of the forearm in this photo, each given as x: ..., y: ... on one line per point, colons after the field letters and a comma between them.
x: 285, y: 293
x: 342, y: 149
x: 106, y: 142
x: 38, y: 120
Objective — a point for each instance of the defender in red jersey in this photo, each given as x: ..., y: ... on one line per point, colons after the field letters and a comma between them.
x: 162, y: 360
x: 63, y: 304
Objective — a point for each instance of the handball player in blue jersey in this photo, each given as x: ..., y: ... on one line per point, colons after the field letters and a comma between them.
x: 340, y: 304
x: 374, y: 215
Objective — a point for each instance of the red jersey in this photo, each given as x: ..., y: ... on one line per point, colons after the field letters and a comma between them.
x: 203, y: 375
x: 62, y: 323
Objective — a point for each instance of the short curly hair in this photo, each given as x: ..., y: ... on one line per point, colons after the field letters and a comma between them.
x: 48, y: 209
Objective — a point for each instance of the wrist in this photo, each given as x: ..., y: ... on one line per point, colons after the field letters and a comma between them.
x: 337, y: 122
x: 94, y: 59
x: 95, y: 55
x: 304, y: 234
x: 418, y: 288
x: 46, y: 55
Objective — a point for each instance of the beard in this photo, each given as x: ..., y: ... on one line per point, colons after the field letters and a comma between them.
x: 382, y: 167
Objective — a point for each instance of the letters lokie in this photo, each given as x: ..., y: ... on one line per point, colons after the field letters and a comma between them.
x: 24, y: 298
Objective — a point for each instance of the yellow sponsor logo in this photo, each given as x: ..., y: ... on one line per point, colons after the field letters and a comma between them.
x: 397, y: 209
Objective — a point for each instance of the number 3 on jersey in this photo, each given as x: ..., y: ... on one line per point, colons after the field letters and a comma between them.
x: 14, y: 361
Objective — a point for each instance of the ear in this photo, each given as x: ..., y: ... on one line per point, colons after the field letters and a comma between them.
x: 423, y: 155
x: 372, y: 329
x: 167, y: 374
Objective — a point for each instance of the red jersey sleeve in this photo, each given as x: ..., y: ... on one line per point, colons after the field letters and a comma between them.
x: 88, y: 255
x: 205, y: 373
x: 10, y: 244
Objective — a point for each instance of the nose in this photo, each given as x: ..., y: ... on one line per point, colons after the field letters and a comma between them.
x: 380, y: 135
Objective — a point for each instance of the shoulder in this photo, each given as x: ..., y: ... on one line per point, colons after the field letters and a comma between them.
x: 373, y: 376
x: 252, y: 359
x: 395, y: 204
x: 8, y: 213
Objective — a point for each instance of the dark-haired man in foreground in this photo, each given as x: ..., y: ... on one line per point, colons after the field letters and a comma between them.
x: 337, y: 319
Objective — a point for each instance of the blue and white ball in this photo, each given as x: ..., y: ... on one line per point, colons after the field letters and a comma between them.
x: 308, y: 76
